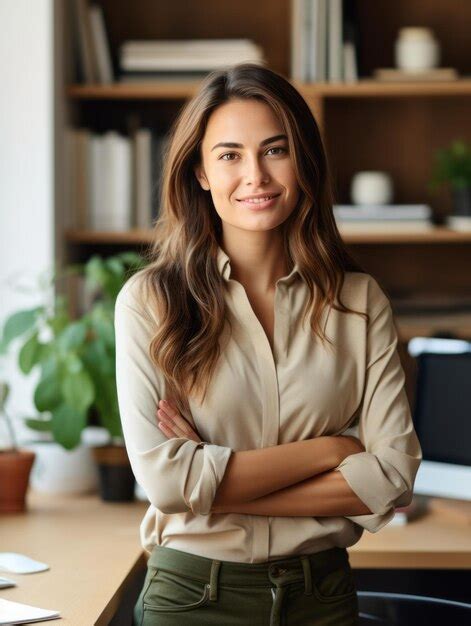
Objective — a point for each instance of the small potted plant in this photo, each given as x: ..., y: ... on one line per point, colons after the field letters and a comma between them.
x: 452, y: 166
x: 15, y: 465
x: 76, y: 361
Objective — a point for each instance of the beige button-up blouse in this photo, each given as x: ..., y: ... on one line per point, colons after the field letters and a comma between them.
x: 259, y: 398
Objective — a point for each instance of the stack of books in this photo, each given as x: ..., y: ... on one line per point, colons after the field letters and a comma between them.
x: 183, y: 59
x: 375, y: 218
x: 92, y: 44
x: 114, y: 180
x: 324, y: 41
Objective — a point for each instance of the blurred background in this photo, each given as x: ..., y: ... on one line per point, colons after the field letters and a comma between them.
x: 90, y: 91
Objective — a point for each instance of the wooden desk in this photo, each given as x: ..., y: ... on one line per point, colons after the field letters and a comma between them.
x: 91, y: 546
x: 94, y: 552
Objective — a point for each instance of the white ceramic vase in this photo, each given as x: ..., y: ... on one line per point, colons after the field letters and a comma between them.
x: 416, y: 50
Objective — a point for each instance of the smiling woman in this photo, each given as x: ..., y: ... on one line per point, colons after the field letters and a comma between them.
x: 265, y: 444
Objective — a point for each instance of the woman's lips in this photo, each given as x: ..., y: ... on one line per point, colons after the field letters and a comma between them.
x: 258, y: 206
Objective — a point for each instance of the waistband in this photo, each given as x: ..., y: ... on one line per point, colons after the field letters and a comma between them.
x: 279, y: 571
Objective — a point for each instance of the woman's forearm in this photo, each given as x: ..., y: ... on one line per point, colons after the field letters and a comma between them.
x: 327, y: 494
x: 252, y: 474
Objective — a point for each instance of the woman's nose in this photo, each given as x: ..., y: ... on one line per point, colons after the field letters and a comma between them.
x: 255, y: 172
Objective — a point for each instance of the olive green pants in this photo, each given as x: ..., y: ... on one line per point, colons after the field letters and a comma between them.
x: 182, y: 589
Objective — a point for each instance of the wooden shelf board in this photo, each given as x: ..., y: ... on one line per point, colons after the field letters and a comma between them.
x: 364, y: 88
x: 139, y: 91
x: 439, y: 234
x: 427, y: 324
x: 368, y: 88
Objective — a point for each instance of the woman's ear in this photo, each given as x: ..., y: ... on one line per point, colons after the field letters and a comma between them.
x: 201, y: 177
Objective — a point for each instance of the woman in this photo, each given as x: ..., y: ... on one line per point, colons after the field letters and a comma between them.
x: 250, y: 353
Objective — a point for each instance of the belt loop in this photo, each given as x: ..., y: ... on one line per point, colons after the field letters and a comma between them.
x: 213, y: 579
x: 307, y: 575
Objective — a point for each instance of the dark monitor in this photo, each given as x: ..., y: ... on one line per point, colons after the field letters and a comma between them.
x: 442, y: 415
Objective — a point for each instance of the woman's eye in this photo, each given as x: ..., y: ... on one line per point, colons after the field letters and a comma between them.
x: 233, y: 153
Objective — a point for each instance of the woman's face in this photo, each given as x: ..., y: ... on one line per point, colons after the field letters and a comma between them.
x: 259, y: 165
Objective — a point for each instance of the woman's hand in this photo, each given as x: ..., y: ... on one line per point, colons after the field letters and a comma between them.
x: 172, y: 424
x: 347, y: 445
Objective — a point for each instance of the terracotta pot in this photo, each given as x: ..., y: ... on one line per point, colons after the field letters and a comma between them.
x: 117, y: 482
x: 15, y: 468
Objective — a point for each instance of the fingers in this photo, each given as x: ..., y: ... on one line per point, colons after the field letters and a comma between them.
x: 173, y: 421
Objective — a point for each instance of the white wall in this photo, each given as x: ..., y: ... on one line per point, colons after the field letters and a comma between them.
x: 26, y: 169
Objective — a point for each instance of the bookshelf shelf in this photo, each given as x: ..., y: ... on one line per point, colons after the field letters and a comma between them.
x: 437, y: 235
x: 364, y: 88
x: 134, y: 91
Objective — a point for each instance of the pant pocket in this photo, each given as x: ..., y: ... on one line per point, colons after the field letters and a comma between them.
x: 334, y: 583
x: 171, y: 592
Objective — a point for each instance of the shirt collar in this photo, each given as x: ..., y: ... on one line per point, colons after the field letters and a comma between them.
x: 224, y: 267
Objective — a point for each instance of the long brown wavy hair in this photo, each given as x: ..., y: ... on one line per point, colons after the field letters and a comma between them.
x: 181, y: 281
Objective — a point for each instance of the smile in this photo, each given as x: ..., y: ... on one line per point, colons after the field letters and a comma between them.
x: 260, y: 203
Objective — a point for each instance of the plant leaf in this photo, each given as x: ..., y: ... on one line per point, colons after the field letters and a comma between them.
x: 67, y: 425
x: 78, y: 390
x: 19, y: 323
x: 47, y: 394
x: 38, y: 424
x: 73, y: 335
x: 30, y: 354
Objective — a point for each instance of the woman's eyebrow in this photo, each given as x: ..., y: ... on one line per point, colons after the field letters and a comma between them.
x: 231, y: 144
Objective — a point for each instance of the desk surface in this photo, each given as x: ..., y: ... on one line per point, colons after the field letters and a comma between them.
x: 94, y: 552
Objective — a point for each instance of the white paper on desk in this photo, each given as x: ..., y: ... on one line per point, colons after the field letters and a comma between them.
x: 20, y: 563
x: 17, y: 613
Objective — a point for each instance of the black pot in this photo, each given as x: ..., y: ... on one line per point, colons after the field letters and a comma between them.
x: 462, y: 202
x: 117, y: 482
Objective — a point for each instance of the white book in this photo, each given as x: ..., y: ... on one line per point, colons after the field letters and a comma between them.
x: 380, y: 211
x: 87, y: 55
x: 297, y: 43
x: 318, y: 47
x: 142, y: 169
x: 96, y: 195
x: 335, y: 34
x: 101, y: 45
x: 350, y: 63
x: 17, y: 613
x: 187, y: 63
x: 381, y: 226
x: 185, y: 51
x: 115, y: 212
x: 207, y: 46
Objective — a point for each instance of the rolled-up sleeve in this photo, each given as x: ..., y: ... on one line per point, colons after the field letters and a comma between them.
x: 383, y: 476
x: 178, y: 475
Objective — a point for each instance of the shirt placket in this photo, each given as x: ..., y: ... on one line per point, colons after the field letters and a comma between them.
x: 267, y: 361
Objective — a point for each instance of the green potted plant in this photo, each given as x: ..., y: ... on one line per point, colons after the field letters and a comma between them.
x: 15, y: 465
x: 76, y: 362
x: 452, y: 167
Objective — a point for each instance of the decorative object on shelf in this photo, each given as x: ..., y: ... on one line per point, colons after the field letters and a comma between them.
x: 416, y: 54
x: 75, y: 357
x: 371, y: 187
x: 452, y: 166
x: 416, y: 49
x: 15, y: 465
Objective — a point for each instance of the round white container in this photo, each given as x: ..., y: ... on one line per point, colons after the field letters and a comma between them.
x: 371, y: 187
x: 416, y: 49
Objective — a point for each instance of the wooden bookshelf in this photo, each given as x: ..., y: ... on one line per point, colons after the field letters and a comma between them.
x: 396, y: 127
